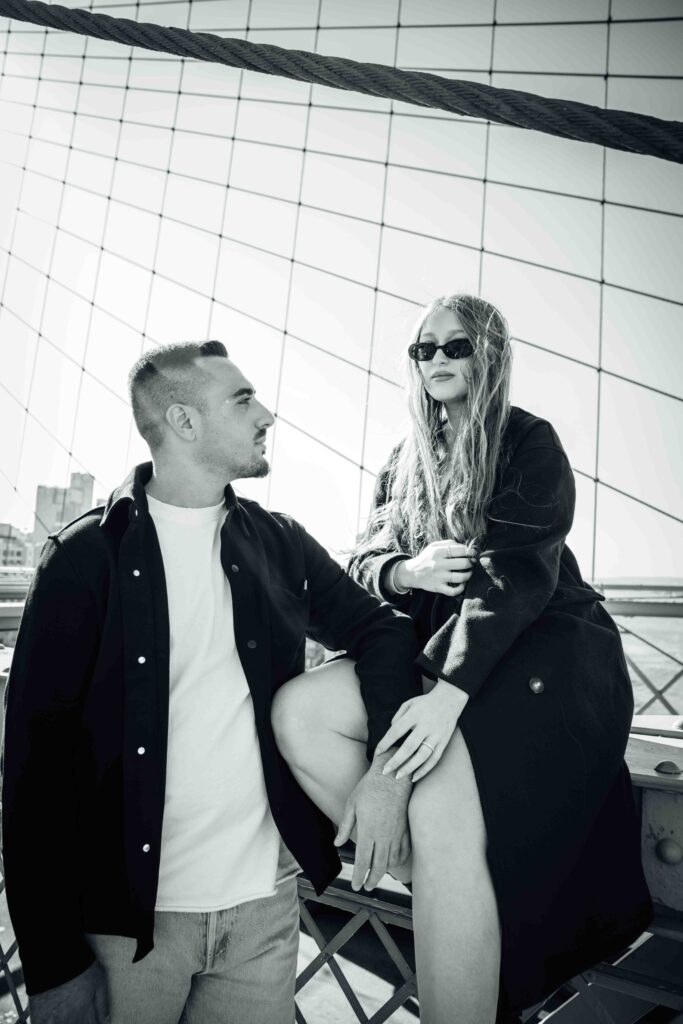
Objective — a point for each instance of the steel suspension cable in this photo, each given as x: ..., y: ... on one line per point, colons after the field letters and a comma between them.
x: 616, y: 129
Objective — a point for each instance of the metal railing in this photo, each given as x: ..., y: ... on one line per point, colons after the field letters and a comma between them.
x: 650, y: 619
x: 377, y: 913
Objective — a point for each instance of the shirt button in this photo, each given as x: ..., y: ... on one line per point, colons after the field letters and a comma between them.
x: 235, y: 568
x: 136, y: 572
x: 142, y: 659
x: 251, y: 644
x: 146, y: 848
x: 536, y: 685
x: 141, y: 751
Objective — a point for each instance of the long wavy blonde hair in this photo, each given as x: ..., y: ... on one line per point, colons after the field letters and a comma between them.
x: 437, y: 493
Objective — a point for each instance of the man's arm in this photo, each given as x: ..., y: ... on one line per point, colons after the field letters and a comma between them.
x: 384, y: 645
x: 52, y: 663
x: 381, y: 640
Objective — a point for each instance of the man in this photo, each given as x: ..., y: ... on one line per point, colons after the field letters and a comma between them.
x: 149, y: 820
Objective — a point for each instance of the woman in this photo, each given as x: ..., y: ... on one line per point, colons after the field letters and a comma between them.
x: 526, y: 858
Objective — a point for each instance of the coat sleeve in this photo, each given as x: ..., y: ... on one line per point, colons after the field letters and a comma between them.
x: 52, y: 662
x: 381, y: 640
x: 517, y: 570
x: 370, y: 567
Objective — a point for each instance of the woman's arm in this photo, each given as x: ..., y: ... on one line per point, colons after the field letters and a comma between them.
x: 372, y: 567
x: 442, y: 567
x: 511, y: 584
x: 517, y: 570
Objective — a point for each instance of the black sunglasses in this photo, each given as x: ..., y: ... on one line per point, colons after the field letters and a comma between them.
x: 423, y: 351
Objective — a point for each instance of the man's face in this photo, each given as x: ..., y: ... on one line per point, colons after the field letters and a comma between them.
x: 231, y: 432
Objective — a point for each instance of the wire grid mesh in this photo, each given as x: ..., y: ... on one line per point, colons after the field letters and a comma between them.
x: 52, y: 87
x: 139, y: 128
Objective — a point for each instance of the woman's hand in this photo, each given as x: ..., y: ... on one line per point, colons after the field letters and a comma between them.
x: 429, y: 722
x: 443, y: 567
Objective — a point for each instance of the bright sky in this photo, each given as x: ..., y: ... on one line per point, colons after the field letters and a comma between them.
x: 339, y: 219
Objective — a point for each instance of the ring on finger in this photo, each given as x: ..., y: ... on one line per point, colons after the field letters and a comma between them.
x: 428, y: 745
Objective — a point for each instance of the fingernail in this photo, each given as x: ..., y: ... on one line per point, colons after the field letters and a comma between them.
x: 385, y: 771
x: 399, y: 775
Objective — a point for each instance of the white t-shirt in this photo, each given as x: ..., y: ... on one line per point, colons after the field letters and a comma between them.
x: 219, y: 843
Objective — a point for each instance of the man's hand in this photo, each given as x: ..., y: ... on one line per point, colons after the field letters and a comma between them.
x: 378, y: 807
x: 82, y: 1000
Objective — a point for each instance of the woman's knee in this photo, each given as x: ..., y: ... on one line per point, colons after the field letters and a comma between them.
x: 290, y: 717
x: 324, y: 700
x: 444, y: 812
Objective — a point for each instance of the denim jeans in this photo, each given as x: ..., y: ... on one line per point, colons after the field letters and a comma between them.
x: 235, y: 966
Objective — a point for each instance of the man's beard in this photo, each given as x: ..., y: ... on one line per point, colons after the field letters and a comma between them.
x: 258, y: 467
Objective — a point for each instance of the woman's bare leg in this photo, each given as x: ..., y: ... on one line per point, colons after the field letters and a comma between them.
x: 321, y: 728
x: 455, y: 915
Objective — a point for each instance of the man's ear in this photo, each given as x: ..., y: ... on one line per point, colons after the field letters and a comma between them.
x: 180, y: 420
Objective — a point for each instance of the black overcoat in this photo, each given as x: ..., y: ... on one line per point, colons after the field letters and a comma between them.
x: 546, y: 724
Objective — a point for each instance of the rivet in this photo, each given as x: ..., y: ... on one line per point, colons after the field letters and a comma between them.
x: 667, y: 768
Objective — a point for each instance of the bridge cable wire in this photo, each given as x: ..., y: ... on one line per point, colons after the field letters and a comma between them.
x: 617, y: 129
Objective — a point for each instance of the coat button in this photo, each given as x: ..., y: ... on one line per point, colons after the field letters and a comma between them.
x: 669, y: 851
x: 142, y: 659
x: 141, y: 751
x: 251, y: 644
x: 235, y: 568
x: 136, y: 572
x: 146, y: 848
x: 536, y: 685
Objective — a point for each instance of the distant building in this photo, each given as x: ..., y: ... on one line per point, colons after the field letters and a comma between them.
x: 13, y: 546
x: 57, y: 506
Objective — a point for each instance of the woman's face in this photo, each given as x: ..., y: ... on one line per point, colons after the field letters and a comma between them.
x: 444, y: 379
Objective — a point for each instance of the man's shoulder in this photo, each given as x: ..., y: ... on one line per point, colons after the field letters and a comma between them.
x: 86, y: 528
x: 82, y: 539
x: 270, y: 523
x: 281, y: 532
x: 268, y: 516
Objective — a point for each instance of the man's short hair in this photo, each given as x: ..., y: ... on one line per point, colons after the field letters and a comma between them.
x: 164, y: 376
